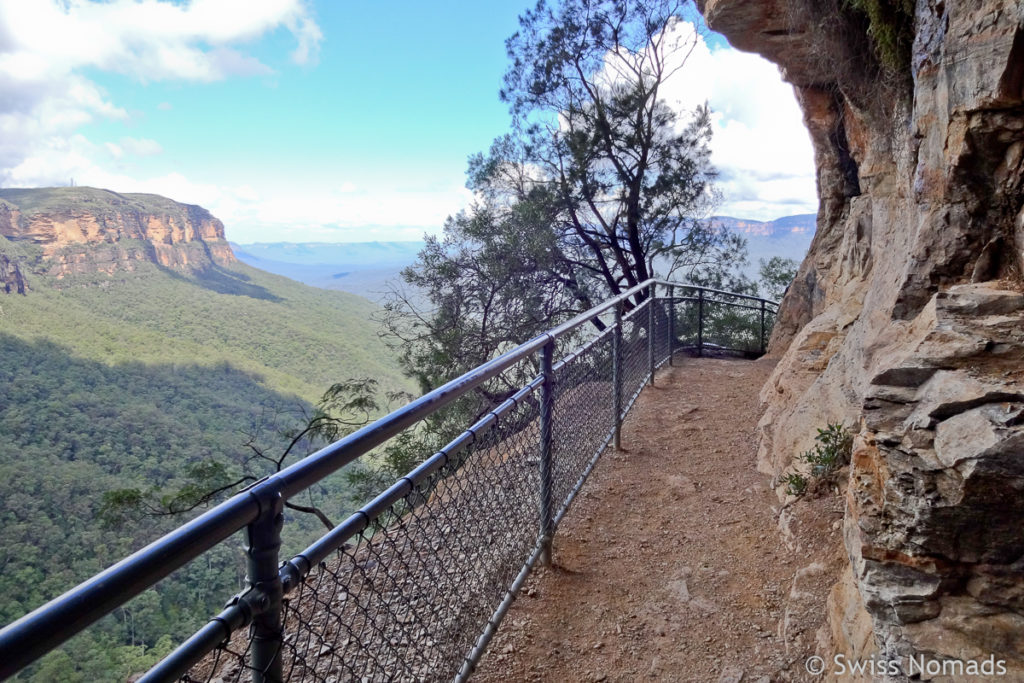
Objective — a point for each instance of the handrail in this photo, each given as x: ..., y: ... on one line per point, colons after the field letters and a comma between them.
x: 736, y: 295
x: 34, y: 634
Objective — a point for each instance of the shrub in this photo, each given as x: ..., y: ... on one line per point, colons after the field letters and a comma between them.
x: 832, y: 451
x: 796, y: 484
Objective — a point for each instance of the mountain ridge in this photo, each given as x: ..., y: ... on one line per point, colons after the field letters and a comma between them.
x: 803, y: 223
x: 82, y: 230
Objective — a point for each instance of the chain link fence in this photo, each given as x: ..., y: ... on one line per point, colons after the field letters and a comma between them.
x: 413, y: 585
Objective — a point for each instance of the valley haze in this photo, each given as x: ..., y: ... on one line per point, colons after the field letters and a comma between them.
x: 370, y: 269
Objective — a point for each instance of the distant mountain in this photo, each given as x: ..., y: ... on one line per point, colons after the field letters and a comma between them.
x: 364, y: 254
x: 370, y: 268
x: 801, y: 224
x: 364, y: 268
x: 788, y: 237
x: 86, y: 230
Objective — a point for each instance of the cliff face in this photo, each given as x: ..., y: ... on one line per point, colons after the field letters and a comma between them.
x: 85, y: 230
x: 906, y: 320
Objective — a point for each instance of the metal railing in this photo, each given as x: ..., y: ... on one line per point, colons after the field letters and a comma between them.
x: 414, y: 584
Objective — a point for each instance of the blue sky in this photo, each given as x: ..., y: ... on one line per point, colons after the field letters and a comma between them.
x: 329, y: 121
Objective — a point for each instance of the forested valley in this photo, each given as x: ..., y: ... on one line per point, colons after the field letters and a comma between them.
x: 159, y: 384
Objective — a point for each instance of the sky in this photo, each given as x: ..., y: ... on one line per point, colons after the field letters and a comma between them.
x: 325, y: 121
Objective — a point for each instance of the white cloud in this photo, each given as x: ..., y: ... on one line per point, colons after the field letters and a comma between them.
x: 343, y: 214
x: 137, y: 147
x: 760, y: 145
x: 150, y: 39
x: 45, y: 44
x: 141, y: 147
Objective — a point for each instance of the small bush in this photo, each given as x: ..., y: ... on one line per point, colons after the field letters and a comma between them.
x: 796, y: 484
x: 832, y: 450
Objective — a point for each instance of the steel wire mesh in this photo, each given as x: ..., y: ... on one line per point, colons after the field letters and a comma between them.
x: 408, y: 597
x: 662, y: 311
x: 405, y: 599
x: 634, y: 354
x: 582, y: 415
x: 719, y: 321
x: 729, y: 323
x: 413, y: 585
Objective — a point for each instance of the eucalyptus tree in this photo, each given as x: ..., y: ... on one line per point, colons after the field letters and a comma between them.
x: 601, y: 183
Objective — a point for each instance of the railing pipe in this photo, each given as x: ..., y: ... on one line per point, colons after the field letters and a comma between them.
x: 762, y: 326
x: 711, y: 290
x: 216, y: 631
x: 262, y: 554
x: 31, y: 636
x: 671, y: 322
x: 650, y: 335
x: 547, y: 395
x: 34, y: 634
x: 617, y: 379
x: 315, y: 467
x: 700, y: 322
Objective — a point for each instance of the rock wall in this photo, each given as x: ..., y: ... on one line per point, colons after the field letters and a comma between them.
x: 906, y: 320
x: 12, y: 280
x: 86, y: 230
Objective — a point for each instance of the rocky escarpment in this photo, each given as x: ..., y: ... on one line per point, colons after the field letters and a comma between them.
x: 905, y: 321
x: 82, y: 230
x: 11, y: 277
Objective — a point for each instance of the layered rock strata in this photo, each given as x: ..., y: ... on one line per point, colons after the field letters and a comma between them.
x: 906, y: 320
x: 84, y: 230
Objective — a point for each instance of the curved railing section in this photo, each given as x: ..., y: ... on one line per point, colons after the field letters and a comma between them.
x: 414, y: 584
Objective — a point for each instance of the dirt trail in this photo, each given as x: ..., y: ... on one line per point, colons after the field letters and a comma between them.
x: 670, y: 565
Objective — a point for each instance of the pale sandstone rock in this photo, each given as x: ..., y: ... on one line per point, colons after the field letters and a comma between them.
x: 906, y: 316
x: 107, y: 232
x: 851, y: 634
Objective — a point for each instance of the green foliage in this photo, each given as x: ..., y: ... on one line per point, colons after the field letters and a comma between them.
x: 831, y: 451
x: 399, y: 457
x: 73, y: 428
x: 296, y: 339
x: 730, y: 322
x: 796, y: 483
x: 147, y: 385
x: 891, y: 29
x: 294, y: 434
x: 777, y: 273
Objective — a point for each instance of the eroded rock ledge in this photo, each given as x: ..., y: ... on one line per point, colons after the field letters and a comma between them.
x: 80, y: 230
x: 906, y: 320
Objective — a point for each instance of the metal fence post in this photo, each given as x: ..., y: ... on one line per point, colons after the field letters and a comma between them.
x: 650, y: 333
x: 700, y: 322
x: 762, y: 326
x: 547, y: 391
x: 617, y: 377
x: 671, y: 322
x: 262, y: 557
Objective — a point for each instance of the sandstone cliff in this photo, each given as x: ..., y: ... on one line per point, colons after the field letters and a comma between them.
x: 906, y: 320
x: 81, y: 230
